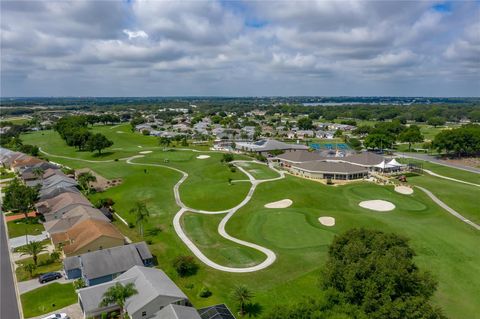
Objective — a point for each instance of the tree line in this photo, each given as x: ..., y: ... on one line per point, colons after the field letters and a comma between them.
x: 74, y: 131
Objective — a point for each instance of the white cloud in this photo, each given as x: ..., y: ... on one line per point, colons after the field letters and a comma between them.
x: 135, y: 34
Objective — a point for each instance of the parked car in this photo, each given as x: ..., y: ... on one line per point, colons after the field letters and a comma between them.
x: 49, y: 276
x: 57, y: 316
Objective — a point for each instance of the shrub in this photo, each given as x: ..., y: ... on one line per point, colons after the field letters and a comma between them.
x: 227, y: 158
x: 79, y: 283
x: 204, y: 293
x: 54, y: 256
x: 185, y: 266
x: 131, y: 225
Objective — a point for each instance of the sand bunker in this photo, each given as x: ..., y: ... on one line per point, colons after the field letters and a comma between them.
x: 139, y: 146
x: 377, y: 205
x: 404, y: 190
x: 327, y: 221
x: 284, y: 203
x: 120, y: 132
x: 145, y: 152
x: 203, y: 156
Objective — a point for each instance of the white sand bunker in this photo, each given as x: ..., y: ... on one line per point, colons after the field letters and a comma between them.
x: 377, y: 205
x: 327, y: 221
x: 284, y: 203
x: 203, y: 156
x: 120, y: 132
x: 404, y: 190
x: 145, y: 152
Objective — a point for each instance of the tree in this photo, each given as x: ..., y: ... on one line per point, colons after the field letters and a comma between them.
x: 436, y: 121
x: 411, y: 135
x: 141, y: 214
x: 464, y: 140
x: 163, y: 140
x: 79, y: 283
x: 33, y: 248
x: 185, y: 266
x: 227, y: 158
x: 38, y: 172
x: 98, y: 142
x: 305, y: 123
x: 84, y: 180
x: 242, y: 295
x: 117, y: 295
x: 19, y: 197
x: 375, y: 273
x: 29, y: 268
x: 338, y: 133
x: 378, y: 141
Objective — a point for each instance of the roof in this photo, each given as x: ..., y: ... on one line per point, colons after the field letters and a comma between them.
x: 269, y: 145
x: 216, y: 312
x: 55, y: 191
x: 76, y: 215
x: 330, y: 167
x: 107, y: 261
x: 149, y: 282
x: 364, y: 159
x: 84, y: 233
x: 63, y: 200
x: 26, y: 161
x: 300, y: 156
x: 176, y: 312
x: 58, y: 178
x: 143, y: 250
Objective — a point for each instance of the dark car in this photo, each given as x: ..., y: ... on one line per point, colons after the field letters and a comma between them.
x: 49, y: 276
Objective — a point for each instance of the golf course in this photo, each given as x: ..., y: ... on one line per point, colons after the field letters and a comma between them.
x: 209, y: 189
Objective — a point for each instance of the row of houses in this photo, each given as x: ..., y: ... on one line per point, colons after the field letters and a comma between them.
x: 96, y: 252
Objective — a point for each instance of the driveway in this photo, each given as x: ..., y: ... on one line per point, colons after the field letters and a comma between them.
x: 433, y: 159
x: 23, y: 240
x: 26, y: 286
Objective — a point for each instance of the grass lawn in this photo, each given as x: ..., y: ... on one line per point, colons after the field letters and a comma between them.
x: 4, y: 174
x: 48, y: 298
x: 446, y: 171
x: 259, y: 171
x: 445, y: 246
x: 41, y: 269
x: 19, y: 227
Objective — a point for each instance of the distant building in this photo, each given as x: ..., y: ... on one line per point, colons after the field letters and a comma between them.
x: 265, y: 146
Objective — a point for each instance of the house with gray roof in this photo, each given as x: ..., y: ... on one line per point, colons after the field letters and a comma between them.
x: 73, y: 217
x: 48, y: 193
x: 155, y: 292
x: 173, y: 311
x: 104, y: 265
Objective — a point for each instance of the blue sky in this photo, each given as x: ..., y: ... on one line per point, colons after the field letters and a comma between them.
x: 240, y: 48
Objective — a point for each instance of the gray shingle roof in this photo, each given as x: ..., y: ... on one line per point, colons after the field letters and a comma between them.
x: 300, y: 156
x: 365, y: 159
x: 177, y: 312
x: 108, y: 261
x: 72, y: 217
x: 330, y: 167
x: 149, y: 282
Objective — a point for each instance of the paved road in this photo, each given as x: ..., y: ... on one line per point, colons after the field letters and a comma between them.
x: 433, y: 159
x: 448, y: 208
x: 271, y: 257
x: 8, y: 298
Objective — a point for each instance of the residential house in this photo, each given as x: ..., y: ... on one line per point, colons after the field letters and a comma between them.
x: 55, y: 207
x: 86, y: 236
x: 155, y: 292
x: 105, y: 265
x: 72, y: 217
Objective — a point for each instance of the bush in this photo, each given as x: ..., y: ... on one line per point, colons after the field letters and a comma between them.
x: 233, y: 169
x: 204, y: 293
x: 185, y: 266
x: 79, y: 283
x: 131, y: 225
x: 227, y: 158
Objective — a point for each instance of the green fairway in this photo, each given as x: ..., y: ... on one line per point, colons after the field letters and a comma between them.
x: 258, y: 171
x: 444, y: 245
x: 48, y: 298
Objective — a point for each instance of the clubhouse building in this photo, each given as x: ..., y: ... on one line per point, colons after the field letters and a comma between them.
x: 311, y: 164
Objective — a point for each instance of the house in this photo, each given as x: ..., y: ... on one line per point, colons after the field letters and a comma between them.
x: 29, y: 173
x: 86, y: 236
x: 173, y: 311
x: 55, y: 207
x: 72, y: 217
x: 55, y: 191
x: 303, y: 134
x: 24, y: 161
x: 105, y: 265
x: 216, y: 312
x: 57, y: 179
x: 155, y: 292
x: 268, y: 145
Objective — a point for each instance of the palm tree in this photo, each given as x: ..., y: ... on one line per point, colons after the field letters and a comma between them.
x: 38, y: 172
x: 242, y: 295
x: 33, y: 248
x: 84, y: 180
x: 141, y: 214
x: 117, y: 295
x: 29, y: 268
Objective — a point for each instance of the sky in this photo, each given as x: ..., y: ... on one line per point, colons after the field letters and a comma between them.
x: 240, y: 48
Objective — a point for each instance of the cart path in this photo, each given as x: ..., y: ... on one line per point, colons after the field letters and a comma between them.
x: 450, y: 178
x: 271, y: 257
x: 448, y: 208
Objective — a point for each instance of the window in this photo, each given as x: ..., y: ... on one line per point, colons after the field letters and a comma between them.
x: 144, y: 313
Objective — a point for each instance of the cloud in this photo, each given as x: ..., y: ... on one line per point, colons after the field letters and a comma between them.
x: 142, y: 47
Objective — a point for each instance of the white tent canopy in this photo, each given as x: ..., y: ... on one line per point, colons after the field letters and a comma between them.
x: 395, y: 163
x: 384, y: 165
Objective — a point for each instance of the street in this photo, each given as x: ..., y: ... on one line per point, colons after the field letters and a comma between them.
x: 8, y: 298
